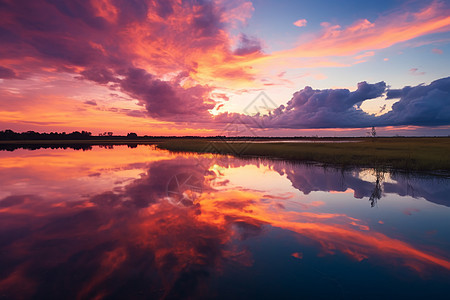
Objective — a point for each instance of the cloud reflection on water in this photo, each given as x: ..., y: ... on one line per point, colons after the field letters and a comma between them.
x: 130, y: 237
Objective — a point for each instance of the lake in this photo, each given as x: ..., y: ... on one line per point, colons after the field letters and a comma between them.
x: 141, y: 223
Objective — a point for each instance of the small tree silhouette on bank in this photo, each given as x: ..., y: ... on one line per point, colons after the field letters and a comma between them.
x: 372, y: 133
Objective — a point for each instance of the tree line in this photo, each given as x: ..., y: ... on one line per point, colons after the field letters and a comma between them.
x: 8, y: 135
x: 33, y: 135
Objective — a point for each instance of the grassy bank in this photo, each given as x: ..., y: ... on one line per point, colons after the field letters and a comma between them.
x: 410, y: 154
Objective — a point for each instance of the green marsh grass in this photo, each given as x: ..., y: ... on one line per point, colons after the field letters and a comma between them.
x: 410, y: 154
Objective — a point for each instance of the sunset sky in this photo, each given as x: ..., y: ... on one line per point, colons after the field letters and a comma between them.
x: 192, y: 67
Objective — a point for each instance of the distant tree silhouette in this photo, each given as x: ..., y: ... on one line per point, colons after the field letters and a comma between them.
x: 373, y: 132
x: 132, y: 135
x: 32, y: 135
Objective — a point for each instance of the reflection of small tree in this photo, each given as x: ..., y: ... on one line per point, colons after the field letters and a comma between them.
x: 378, y: 190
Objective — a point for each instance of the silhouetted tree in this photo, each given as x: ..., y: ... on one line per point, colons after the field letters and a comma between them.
x: 372, y: 132
x: 132, y: 135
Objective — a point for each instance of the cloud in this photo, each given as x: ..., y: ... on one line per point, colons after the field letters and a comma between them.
x: 422, y: 105
x: 170, y: 55
x: 248, y: 45
x: 300, y: 23
x: 118, y: 235
x: 437, y: 51
x: 365, y: 54
x: 7, y: 73
x: 163, y: 99
x: 415, y: 71
x: 364, y: 35
x: 136, y: 46
x: 167, y: 100
x: 99, y: 75
x: 98, y: 39
x: 335, y: 44
x: 311, y: 108
x: 90, y: 102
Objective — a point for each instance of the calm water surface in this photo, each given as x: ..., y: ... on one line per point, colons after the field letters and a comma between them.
x: 141, y: 223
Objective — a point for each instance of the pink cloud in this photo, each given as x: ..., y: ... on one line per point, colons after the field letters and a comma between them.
x: 364, y: 35
x: 366, y: 54
x: 300, y: 23
x: 107, y: 42
x: 437, y: 51
x: 415, y: 71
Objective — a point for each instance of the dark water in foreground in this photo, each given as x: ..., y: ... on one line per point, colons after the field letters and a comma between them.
x: 140, y: 223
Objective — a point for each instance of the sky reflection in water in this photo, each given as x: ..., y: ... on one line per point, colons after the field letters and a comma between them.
x: 145, y: 223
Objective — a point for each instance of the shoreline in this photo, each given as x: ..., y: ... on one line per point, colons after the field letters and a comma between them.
x: 398, y: 153
x: 405, y: 154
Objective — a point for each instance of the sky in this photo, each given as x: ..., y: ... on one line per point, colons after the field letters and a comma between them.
x: 224, y: 67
